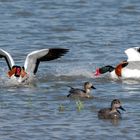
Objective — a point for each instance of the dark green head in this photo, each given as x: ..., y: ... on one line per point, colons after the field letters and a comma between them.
x: 103, y: 70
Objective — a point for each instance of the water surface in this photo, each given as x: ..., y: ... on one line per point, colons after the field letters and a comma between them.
x: 97, y: 33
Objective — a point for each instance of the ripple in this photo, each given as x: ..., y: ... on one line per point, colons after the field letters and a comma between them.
x: 97, y: 33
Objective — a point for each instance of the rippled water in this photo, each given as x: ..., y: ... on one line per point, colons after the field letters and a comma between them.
x: 97, y: 33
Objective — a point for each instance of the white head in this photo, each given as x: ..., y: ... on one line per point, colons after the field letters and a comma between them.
x: 88, y: 86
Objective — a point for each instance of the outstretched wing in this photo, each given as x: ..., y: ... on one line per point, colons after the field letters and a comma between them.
x: 7, y: 57
x: 133, y: 54
x: 34, y: 58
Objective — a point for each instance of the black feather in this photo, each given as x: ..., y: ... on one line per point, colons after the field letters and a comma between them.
x: 54, y: 53
x: 68, y: 95
x: 138, y: 49
x: 2, y: 56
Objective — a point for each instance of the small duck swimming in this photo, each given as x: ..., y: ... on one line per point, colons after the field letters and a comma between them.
x: 126, y: 69
x: 83, y: 93
x: 112, y: 112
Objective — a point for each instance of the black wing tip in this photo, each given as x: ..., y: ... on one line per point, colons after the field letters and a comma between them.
x: 63, y: 50
x: 58, y: 52
x: 54, y: 53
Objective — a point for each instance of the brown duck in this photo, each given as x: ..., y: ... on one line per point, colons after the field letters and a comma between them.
x: 112, y: 112
x: 84, y: 93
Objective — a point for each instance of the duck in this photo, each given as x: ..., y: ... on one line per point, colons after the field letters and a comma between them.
x: 82, y: 93
x: 31, y: 64
x: 126, y: 69
x: 111, y: 112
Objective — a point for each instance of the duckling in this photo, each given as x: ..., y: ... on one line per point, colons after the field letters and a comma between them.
x: 113, y: 112
x: 84, y: 93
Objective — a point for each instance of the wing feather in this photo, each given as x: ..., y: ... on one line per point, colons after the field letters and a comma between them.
x: 8, y: 58
x: 133, y: 54
x: 34, y: 58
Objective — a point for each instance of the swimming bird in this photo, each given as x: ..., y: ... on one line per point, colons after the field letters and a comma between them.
x: 129, y: 68
x: 84, y: 93
x: 31, y: 64
x: 112, y: 112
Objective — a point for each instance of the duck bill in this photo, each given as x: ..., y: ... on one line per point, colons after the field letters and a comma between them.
x: 122, y: 108
x: 97, y: 72
x: 93, y: 87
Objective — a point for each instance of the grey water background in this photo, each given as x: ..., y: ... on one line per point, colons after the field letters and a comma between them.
x: 96, y: 32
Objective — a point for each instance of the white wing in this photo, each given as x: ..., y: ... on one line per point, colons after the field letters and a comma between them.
x: 34, y: 58
x: 9, y: 60
x: 133, y: 54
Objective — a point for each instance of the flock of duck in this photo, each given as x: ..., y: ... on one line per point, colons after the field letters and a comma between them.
x: 106, y: 113
x: 126, y: 69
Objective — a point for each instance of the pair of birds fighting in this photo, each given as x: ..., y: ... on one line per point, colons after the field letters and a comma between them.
x: 32, y: 61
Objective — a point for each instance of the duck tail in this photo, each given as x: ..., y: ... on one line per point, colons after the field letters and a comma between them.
x: 70, y: 91
x: 70, y: 87
x: 68, y: 95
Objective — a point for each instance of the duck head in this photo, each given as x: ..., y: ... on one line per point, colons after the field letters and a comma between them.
x: 103, y: 70
x: 88, y: 86
x: 116, y: 104
x: 17, y: 71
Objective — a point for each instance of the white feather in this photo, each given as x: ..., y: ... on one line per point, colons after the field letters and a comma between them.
x: 129, y: 73
x: 8, y: 56
x: 133, y: 54
x: 30, y: 61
